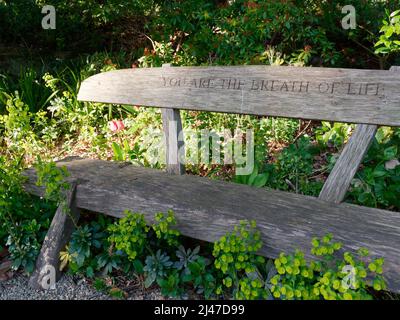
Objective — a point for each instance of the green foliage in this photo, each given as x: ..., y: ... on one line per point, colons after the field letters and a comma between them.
x: 333, y: 135
x: 136, y: 155
x: 186, y: 257
x: 237, y: 271
x: 202, y: 276
x: 389, y: 41
x: 129, y: 234
x: 24, y: 219
x: 16, y: 127
x: 39, y: 112
x: 79, y: 23
x: 24, y: 244
x: 235, y: 256
x: 156, y: 268
x: 84, y: 241
x: 109, y: 261
x: 89, y: 250
x: 327, y: 277
x: 294, y: 167
x: 120, y: 153
x: 256, y: 178
x: 377, y: 184
x: 163, y: 230
x: 33, y: 93
x: 238, y: 32
x: 171, y: 285
x: 100, y: 285
x: 53, y: 178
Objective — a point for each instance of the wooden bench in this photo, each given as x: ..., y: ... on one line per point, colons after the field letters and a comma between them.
x: 207, y: 209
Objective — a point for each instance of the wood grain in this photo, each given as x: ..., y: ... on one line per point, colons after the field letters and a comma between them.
x: 338, y: 182
x: 207, y: 209
x: 58, y: 235
x: 172, y: 127
x: 344, y: 95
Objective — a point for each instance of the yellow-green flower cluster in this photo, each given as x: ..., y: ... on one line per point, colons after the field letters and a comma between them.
x: 129, y: 234
x: 236, y: 257
x: 328, y: 277
x: 162, y: 228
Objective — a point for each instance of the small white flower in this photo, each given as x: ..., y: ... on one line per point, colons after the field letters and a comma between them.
x: 392, y: 164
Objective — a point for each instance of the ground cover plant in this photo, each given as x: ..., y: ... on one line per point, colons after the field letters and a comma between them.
x: 230, y: 268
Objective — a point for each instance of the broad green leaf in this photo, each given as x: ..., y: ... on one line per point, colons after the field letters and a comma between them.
x: 390, y: 153
x: 261, y: 180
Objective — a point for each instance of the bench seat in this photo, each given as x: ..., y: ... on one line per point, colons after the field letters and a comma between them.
x: 206, y: 209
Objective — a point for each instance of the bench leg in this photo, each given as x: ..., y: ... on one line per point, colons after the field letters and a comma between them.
x: 47, y: 271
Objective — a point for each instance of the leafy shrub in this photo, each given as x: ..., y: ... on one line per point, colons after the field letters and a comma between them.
x: 236, y: 255
x: 202, y: 277
x: 163, y: 229
x: 83, y: 241
x: 24, y: 245
x: 186, y: 257
x: 24, y: 219
x: 130, y: 235
x: 53, y: 178
x: 237, y: 270
x: 89, y: 250
x: 156, y: 267
x: 389, y: 41
x: 333, y: 278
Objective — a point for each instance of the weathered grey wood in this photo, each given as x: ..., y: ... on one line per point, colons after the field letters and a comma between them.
x: 207, y: 209
x: 344, y: 95
x: 172, y: 126
x: 57, y: 237
x: 338, y: 182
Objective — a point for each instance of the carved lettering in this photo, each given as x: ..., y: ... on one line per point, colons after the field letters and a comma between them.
x: 284, y: 87
x: 277, y: 85
x: 323, y: 87
x: 304, y: 86
x: 255, y: 85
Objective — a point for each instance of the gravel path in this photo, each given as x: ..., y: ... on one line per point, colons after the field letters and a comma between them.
x: 66, y: 289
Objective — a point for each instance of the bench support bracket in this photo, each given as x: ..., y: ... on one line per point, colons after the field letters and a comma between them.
x: 175, y: 150
x: 47, y: 271
x: 338, y: 182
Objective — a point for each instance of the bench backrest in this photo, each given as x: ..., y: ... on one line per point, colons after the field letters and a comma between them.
x: 368, y: 97
x: 342, y: 95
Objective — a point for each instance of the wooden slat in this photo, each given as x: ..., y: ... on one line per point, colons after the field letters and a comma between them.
x: 57, y: 237
x: 344, y: 95
x: 338, y: 182
x: 207, y: 209
x: 172, y: 126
